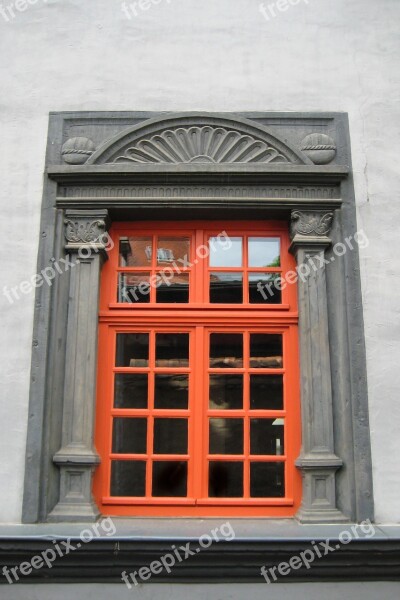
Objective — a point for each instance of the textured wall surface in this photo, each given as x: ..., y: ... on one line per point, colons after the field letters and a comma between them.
x: 218, y: 56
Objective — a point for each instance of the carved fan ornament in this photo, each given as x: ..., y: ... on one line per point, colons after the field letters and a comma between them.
x: 201, y: 145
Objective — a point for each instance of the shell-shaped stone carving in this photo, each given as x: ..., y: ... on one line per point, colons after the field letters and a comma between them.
x: 201, y: 145
x: 77, y: 150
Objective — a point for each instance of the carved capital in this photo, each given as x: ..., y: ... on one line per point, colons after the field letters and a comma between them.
x: 86, y: 228
x: 310, y: 224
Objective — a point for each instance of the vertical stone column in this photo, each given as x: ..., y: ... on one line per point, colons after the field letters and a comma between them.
x: 318, y: 462
x: 86, y: 244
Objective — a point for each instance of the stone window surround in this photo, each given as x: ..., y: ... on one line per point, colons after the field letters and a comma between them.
x: 80, y: 201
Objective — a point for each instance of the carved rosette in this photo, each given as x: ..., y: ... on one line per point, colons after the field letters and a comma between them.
x: 315, y: 224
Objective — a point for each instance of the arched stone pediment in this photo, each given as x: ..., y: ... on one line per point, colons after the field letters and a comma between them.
x: 197, y: 138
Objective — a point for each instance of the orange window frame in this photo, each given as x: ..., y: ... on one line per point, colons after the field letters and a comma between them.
x: 199, y: 318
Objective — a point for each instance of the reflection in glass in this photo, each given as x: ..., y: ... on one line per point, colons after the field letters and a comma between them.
x: 169, y: 478
x: 267, y: 480
x: 226, y: 392
x: 263, y: 288
x: 266, y: 436
x: 134, y: 287
x: 132, y: 350
x: 170, y: 436
x: 226, y: 350
x: 266, y: 392
x: 226, y: 436
x: 265, y: 350
x: 171, y: 391
x: 226, y: 255
x: 130, y: 390
x: 128, y: 478
x: 170, y: 249
x: 225, y: 479
x: 172, y: 349
x: 264, y: 252
x: 173, y: 288
x: 129, y: 435
x: 135, y: 251
x: 226, y: 288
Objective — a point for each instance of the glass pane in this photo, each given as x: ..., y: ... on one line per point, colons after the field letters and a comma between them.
x: 262, y: 289
x: 132, y: 350
x: 129, y: 435
x: 226, y: 350
x: 266, y: 436
x: 170, y: 436
x: 128, y: 478
x: 226, y: 392
x: 130, y: 391
x: 226, y: 436
x: 266, y: 392
x: 173, y: 289
x: 135, y: 251
x: 266, y: 350
x: 264, y: 252
x: 225, y: 479
x: 226, y: 288
x: 225, y: 254
x: 171, y: 391
x: 267, y: 480
x: 170, y: 249
x: 169, y: 478
x: 172, y: 349
x: 133, y: 287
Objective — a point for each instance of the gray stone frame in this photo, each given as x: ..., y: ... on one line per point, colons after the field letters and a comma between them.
x: 102, y: 167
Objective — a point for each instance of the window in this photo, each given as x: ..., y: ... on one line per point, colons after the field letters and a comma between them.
x: 198, y: 383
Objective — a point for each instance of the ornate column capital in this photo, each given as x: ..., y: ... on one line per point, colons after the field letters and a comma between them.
x: 86, y: 229
x: 310, y: 228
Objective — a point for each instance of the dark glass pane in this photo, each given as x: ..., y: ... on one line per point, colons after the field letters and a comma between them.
x: 132, y: 350
x: 226, y: 436
x: 170, y: 249
x: 129, y: 435
x: 170, y: 436
x: 264, y: 252
x: 134, y: 288
x: 267, y: 480
x: 226, y: 350
x: 226, y: 288
x: 169, y: 479
x: 265, y: 350
x: 171, y: 391
x: 225, y: 254
x: 128, y: 478
x: 266, y: 392
x: 225, y: 479
x: 173, y: 289
x: 266, y: 436
x: 226, y: 392
x: 172, y: 349
x: 262, y: 289
x: 135, y: 251
x: 130, y: 391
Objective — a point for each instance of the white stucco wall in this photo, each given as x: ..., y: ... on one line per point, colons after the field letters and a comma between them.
x: 217, y: 55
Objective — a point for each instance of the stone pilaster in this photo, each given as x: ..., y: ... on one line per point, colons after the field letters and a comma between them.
x: 86, y: 241
x: 318, y: 462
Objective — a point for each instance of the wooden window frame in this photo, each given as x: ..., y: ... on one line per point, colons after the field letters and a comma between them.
x: 199, y: 317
